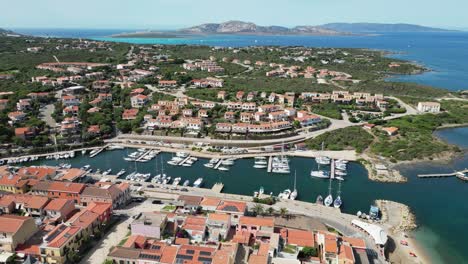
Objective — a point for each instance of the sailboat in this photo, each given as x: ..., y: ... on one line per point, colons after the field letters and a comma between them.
x: 162, y: 175
x: 338, y: 202
x: 293, y: 195
x: 319, y: 200
x: 329, y: 199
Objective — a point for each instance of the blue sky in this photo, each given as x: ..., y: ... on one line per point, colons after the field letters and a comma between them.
x: 169, y: 14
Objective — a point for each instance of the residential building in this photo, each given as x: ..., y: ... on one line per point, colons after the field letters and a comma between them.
x: 57, y: 189
x: 15, y: 230
x: 218, y: 226
x: 150, y: 224
x: 429, y: 107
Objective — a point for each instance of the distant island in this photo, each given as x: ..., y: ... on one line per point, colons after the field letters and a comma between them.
x: 378, y: 27
x: 248, y: 28
x: 5, y: 32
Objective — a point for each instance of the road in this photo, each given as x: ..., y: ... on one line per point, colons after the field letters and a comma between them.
x: 46, y: 115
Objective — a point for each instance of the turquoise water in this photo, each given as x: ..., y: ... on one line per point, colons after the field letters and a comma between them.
x: 457, y: 136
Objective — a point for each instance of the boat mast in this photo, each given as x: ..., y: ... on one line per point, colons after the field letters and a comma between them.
x: 329, y: 186
x: 162, y: 166
x: 338, y: 193
x: 294, y: 179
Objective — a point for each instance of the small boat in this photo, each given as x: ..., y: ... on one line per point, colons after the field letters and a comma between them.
x: 214, y: 161
x: 173, y: 162
x: 339, y: 178
x: 186, y: 183
x: 182, y: 154
x: 120, y: 173
x: 319, y: 200
x: 340, y: 173
x: 328, y: 200
x: 83, y: 152
x: 285, y: 194
x: 107, y: 172
x: 323, y: 160
x: 227, y: 162
x: 261, y: 162
x: 222, y: 168
x: 86, y: 167
x: 282, y: 170
x: 261, y: 190
x: 198, y: 182
x: 293, y: 195
x: 337, y: 203
x: 209, y: 165
x: 320, y: 174
x: 259, y: 166
x: 176, y: 181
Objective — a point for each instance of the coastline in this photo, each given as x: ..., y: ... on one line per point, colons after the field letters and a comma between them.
x: 400, y: 222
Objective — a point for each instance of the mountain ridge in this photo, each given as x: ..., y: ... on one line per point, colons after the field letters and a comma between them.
x: 381, y: 27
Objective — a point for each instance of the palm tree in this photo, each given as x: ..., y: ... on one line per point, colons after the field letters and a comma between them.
x: 271, y: 210
x: 258, y: 209
x: 283, y: 211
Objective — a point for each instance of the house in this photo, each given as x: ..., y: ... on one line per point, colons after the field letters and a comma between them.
x: 25, y: 133
x: 31, y: 205
x: 15, y: 230
x: 16, y: 117
x: 210, y: 203
x: 229, y: 115
x: 94, y: 130
x: 233, y: 208
x: 223, y: 127
x: 368, y: 126
x: 101, y: 85
x: 139, y: 100
x: 429, y: 107
x: 195, y: 227
x: 308, y: 120
x: 105, y: 97
x: 37, y: 173
x: 191, y: 254
x: 92, y: 218
x: 218, y: 226
x: 300, y: 238
x: 130, y: 114
x: 59, y: 209
x: 167, y: 84
x: 187, y: 112
x: 222, y: 95
x: 249, y: 106
x: 12, y: 183
x: 57, y: 189
x: 277, y: 116
x: 3, y: 104
x: 69, y: 126
x: 245, y: 117
x: 150, y: 224
x: 108, y: 193
x: 240, y: 95
x: 255, y: 225
x: 59, y: 241
x: 202, y: 113
x: 68, y: 100
x: 190, y: 203
x: 390, y: 130
x: 240, y: 128
x: 23, y: 104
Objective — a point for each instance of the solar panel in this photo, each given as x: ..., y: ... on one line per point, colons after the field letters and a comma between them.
x: 205, y: 253
x: 205, y: 260
x: 148, y: 256
x: 190, y: 251
x: 185, y: 257
x: 156, y: 247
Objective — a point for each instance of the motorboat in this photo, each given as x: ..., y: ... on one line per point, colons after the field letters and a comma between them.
x: 282, y: 170
x: 198, y: 182
x: 173, y: 162
x: 120, y: 173
x: 340, y: 173
x: 209, y: 165
x: 339, y: 178
x: 285, y: 194
x: 227, y: 162
x: 214, y: 161
x: 323, y: 160
x: 222, y: 168
x: 320, y: 174
x: 176, y: 181
x: 107, y: 172
x: 259, y: 166
x: 182, y: 154
x: 186, y: 183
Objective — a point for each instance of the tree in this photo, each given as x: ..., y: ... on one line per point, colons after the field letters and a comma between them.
x: 258, y: 209
x: 283, y: 211
x: 271, y: 210
x: 307, y: 252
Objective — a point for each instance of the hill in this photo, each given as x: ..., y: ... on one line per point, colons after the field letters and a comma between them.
x: 377, y: 27
x: 4, y: 32
x: 241, y: 27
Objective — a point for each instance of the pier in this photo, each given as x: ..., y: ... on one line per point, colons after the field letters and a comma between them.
x: 332, y: 169
x: 218, y: 164
x: 184, y: 160
x: 139, y: 159
x: 270, y: 164
x: 217, y: 187
x: 459, y: 174
x: 94, y: 154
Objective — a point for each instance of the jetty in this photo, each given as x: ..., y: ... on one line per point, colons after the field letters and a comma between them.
x: 140, y: 158
x: 217, y: 187
x: 459, y: 174
x: 97, y: 151
x: 332, y: 169
x: 184, y: 160
x: 270, y: 164
x: 218, y: 164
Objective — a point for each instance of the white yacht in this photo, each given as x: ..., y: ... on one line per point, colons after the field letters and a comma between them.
x: 186, y: 183
x: 182, y: 154
x: 285, y: 194
x: 281, y: 170
x: 176, y: 181
x: 120, y: 173
x: 328, y: 200
x: 260, y: 166
x: 293, y: 195
x: 323, y: 160
x: 198, y: 182
x: 222, y: 168
x: 209, y: 165
x: 320, y: 174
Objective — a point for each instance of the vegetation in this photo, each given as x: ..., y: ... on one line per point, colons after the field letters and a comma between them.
x: 330, y: 110
x: 308, y: 252
x: 267, y: 200
x: 346, y: 138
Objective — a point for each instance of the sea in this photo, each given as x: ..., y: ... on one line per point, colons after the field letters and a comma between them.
x: 440, y: 205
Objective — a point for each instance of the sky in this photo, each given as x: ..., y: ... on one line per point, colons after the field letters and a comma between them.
x: 171, y: 14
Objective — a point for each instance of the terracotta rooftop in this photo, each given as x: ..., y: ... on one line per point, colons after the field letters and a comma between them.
x: 12, y: 223
x: 58, y: 203
x: 256, y: 221
x: 232, y: 206
x: 57, y: 186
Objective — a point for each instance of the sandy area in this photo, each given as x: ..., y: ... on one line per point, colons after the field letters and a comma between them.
x: 399, y: 221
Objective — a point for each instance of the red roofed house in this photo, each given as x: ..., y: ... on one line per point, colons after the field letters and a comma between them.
x: 59, y: 209
x: 130, y: 114
x: 195, y: 227
x: 218, y: 226
x: 391, y: 130
x: 300, y: 238
x: 256, y: 226
x: 15, y: 230
x: 25, y: 133
x: 139, y: 100
x: 233, y: 208
x: 58, y: 242
x: 56, y: 189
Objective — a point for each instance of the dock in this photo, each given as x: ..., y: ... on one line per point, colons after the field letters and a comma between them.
x: 270, y: 164
x: 98, y: 151
x: 217, y: 187
x: 143, y: 155
x: 184, y: 160
x: 218, y: 164
x: 458, y: 174
x: 332, y: 169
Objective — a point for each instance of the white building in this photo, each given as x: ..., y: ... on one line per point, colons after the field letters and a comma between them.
x: 429, y: 107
